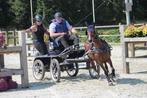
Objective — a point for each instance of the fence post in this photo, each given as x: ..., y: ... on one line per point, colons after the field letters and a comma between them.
x: 14, y: 37
x: 124, y: 44
x: 6, y: 37
x: 23, y: 60
x: 19, y: 38
x: 1, y: 61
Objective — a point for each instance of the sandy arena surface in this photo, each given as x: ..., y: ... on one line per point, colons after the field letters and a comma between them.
x: 132, y: 85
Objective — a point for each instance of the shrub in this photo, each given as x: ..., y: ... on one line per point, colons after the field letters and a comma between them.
x: 139, y: 31
x: 130, y: 31
x: 144, y: 31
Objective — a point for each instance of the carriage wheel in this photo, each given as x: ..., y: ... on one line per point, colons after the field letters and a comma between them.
x: 73, y: 70
x: 38, y: 70
x: 94, y: 71
x: 55, y: 70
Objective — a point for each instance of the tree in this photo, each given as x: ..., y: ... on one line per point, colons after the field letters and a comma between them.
x: 21, y: 10
x: 139, y: 10
x: 16, y: 13
x: 6, y: 15
x: 105, y: 13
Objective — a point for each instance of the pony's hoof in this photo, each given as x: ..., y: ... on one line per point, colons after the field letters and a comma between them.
x: 114, y: 79
x: 112, y: 75
x: 110, y: 84
x: 115, y: 83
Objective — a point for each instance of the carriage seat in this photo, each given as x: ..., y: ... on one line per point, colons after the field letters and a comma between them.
x: 57, y: 47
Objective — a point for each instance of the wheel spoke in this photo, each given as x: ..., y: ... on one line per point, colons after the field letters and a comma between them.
x: 72, y: 70
x: 38, y: 69
x: 55, y: 70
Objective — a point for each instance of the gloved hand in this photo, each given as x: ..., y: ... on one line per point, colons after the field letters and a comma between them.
x: 74, y: 31
x: 89, y: 41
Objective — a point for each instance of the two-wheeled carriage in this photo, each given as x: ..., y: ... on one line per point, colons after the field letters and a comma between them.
x: 60, y: 59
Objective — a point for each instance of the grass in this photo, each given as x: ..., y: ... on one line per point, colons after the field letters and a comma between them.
x: 10, y: 39
x: 102, y: 33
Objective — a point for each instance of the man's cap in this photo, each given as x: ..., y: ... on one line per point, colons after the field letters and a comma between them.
x: 58, y: 15
x: 38, y: 17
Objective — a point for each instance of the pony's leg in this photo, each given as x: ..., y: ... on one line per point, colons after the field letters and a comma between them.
x: 111, y: 65
x: 93, y: 65
x: 106, y: 67
x: 112, y: 74
x: 106, y: 74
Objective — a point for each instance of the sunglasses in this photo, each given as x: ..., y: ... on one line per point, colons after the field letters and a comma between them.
x: 38, y: 21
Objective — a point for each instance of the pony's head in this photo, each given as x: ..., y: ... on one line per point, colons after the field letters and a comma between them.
x: 90, y: 32
x: 93, y: 39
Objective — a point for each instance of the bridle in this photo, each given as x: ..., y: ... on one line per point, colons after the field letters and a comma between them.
x: 94, y: 49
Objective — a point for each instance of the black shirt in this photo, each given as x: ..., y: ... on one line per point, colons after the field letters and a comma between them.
x: 39, y: 34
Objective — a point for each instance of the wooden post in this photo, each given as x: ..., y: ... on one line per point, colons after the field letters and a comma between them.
x: 1, y: 61
x: 20, y: 38
x: 6, y: 38
x: 14, y: 37
x: 124, y: 50
x: 132, y: 49
x: 23, y: 61
x: 126, y: 67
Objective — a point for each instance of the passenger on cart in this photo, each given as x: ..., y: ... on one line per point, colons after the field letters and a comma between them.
x: 61, y: 31
x: 38, y: 31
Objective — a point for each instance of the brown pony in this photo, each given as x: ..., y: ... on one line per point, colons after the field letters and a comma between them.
x: 99, y: 51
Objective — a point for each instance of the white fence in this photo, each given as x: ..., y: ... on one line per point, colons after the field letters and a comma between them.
x: 12, y: 37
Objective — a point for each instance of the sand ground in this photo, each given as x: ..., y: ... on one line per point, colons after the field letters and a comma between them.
x: 132, y: 85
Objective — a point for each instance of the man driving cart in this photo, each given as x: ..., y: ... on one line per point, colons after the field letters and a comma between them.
x: 61, y: 31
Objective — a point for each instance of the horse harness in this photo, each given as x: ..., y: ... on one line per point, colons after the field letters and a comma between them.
x: 106, y: 48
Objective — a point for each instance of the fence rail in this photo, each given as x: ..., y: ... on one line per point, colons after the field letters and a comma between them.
x: 100, y: 27
x: 103, y: 35
x: 111, y: 37
x: 12, y: 35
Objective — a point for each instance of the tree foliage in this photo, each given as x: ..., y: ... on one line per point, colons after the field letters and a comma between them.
x: 16, y: 13
x: 21, y: 10
x: 6, y: 14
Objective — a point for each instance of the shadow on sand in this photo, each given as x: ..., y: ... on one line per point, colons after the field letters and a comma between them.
x: 34, y: 86
x: 40, y: 85
x: 130, y: 81
x: 79, y: 77
x: 142, y: 72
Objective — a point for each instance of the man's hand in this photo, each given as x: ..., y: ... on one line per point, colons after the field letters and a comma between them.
x: 33, y: 28
x: 52, y: 34
x: 62, y: 34
x: 74, y: 31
